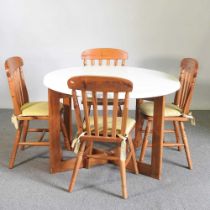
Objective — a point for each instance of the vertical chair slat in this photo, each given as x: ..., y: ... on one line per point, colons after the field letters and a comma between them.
x: 84, y: 62
x: 21, y: 88
x: 186, y: 106
x: 185, y: 90
x: 114, y: 114
x: 12, y: 86
x: 180, y: 93
x: 105, y: 113
x: 184, y: 84
x: 189, y: 86
x: 77, y: 112
x: 17, y: 87
x: 100, y: 62
x: 95, y: 113
x: 107, y: 62
x: 123, y: 62
x: 15, y: 82
x: 86, y: 111
x: 24, y: 89
x: 125, y: 114
x: 92, y: 62
x: 115, y: 62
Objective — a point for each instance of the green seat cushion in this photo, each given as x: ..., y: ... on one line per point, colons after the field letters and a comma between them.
x: 130, y: 124
x: 35, y: 109
x: 171, y: 110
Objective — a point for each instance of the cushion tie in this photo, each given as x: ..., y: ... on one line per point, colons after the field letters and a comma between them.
x: 191, y: 117
x: 76, y: 142
x: 123, y: 146
x: 14, y: 121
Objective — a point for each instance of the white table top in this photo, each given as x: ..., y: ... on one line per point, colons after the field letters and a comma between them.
x: 146, y: 83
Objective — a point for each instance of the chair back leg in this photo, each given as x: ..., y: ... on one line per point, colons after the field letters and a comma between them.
x: 176, y: 129
x: 186, y: 145
x: 133, y: 154
x: 145, y: 140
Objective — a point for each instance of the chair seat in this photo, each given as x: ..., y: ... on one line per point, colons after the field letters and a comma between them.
x: 130, y: 124
x: 35, y: 109
x: 171, y: 110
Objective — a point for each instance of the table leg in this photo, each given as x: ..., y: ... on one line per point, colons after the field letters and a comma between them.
x: 138, y: 128
x: 56, y: 162
x: 67, y: 103
x: 157, y: 137
x: 154, y: 170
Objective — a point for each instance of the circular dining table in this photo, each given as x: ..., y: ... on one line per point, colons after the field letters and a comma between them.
x: 146, y: 84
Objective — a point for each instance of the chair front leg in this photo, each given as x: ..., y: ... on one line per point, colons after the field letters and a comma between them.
x: 123, y: 179
x: 77, y: 166
x: 16, y: 144
x: 24, y: 132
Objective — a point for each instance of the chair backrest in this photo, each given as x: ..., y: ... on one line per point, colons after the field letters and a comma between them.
x: 17, y: 86
x: 108, y: 55
x: 188, y: 74
x: 97, y: 86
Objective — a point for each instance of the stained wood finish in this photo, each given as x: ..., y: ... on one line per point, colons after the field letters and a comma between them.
x: 99, y: 55
x: 157, y: 139
x: 25, y: 132
x: 19, y: 94
x: 139, y: 124
x: 17, y: 85
x: 188, y: 75
x: 67, y: 115
x: 110, y: 88
x: 57, y: 164
x: 105, y: 56
x: 145, y: 140
x: 183, y: 98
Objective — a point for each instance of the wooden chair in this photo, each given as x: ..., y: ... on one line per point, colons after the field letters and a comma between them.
x: 104, y: 54
x: 178, y: 112
x: 25, y: 111
x: 110, y: 56
x: 97, y: 128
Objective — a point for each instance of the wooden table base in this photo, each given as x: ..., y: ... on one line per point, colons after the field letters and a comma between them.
x: 155, y: 168
x: 57, y: 164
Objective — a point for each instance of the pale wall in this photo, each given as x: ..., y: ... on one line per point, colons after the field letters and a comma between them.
x: 51, y: 34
